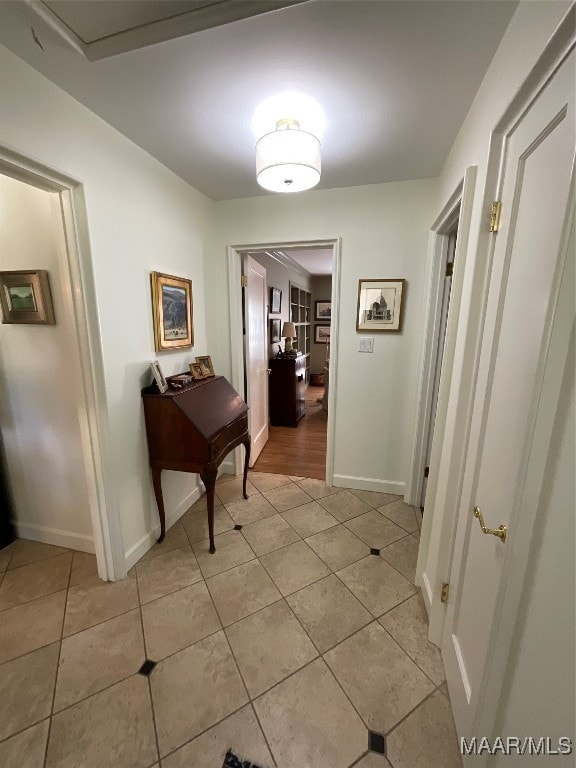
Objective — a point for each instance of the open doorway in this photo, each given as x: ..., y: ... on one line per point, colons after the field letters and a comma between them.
x: 299, y: 302
x: 52, y: 390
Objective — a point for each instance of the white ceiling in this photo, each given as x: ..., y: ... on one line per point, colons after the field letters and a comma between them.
x: 394, y: 78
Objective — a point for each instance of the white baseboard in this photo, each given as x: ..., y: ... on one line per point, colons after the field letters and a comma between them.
x: 54, y: 536
x: 369, y: 484
x: 227, y: 468
x: 149, y: 539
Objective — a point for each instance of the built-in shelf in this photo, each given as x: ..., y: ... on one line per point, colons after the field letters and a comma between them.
x: 301, y: 316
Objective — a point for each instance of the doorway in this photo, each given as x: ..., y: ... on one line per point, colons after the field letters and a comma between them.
x: 77, y: 315
x: 306, y: 448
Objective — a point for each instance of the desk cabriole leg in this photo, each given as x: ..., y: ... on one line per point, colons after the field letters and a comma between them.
x: 247, y: 444
x: 157, y: 483
x: 209, y: 480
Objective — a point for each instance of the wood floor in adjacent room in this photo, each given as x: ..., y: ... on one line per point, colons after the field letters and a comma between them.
x: 298, y: 450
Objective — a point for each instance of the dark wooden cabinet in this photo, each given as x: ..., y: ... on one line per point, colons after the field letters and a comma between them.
x: 192, y: 429
x: 287, y: 395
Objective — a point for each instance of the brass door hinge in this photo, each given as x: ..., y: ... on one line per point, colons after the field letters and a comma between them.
x: 244, y: 281
x: 445, y: 593
x: 449, y: 269
x: 495, y: 216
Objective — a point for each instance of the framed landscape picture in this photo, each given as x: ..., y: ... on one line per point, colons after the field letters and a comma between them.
x: 25, y: 297
x: 172, y: 311
x: 322, y: 334
x: 380, y: 305
x: 323, y: 310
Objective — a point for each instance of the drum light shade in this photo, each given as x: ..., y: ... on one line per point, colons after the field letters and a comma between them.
x: 288, y: 159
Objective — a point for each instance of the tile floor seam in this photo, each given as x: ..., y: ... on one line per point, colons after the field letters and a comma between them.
x: 98, y: 623
x: 392, y: 564
x: 318, y: 651
x: 264, y: 734
x: 95, y: 693
x: 404, y: 600
x: 399, y: 525
x: 319, y: 654
x: 56, y: 675
x: 399, y: 644
x: 306, y: 585
x: 337, y: 573
x: 252, y: 613
x: 33, y: 562
x: 407, y: 715
x: 153, y: 713
x: 237, y: 667
x: 359, y: 760
x: 328, y: 564
x: 25, y: 602
x: 201, y: 733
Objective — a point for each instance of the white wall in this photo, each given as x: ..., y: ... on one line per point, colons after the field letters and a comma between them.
x: 384, y: 235
x: 39, y: 382
x: 141, y: 217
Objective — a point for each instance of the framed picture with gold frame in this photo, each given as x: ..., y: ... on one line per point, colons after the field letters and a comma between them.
x: 206, y: 363
x: 172, y: 311
x: 25, y: 297
x: 197, y: 371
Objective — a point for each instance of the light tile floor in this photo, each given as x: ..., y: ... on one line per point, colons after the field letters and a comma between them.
x: 302, y: 632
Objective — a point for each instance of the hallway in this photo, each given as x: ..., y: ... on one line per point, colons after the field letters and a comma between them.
x: 298, y: 450
x: 302, y: 633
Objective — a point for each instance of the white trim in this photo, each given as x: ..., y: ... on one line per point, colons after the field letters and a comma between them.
x: 54, y: 536
x: 369, y: 484
x: 237, y: 342
x: 434, y: 288
x: 450, y: 436
x: 92, y: 407
x: 147, y: 541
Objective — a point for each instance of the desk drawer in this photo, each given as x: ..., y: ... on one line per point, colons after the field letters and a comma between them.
x: 228, y: 435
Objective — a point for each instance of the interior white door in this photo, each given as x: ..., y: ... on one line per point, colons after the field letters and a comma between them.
x: 538, y: 156
x: 256, y: 355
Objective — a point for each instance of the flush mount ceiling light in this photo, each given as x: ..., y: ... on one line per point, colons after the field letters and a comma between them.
x: 288, y: 158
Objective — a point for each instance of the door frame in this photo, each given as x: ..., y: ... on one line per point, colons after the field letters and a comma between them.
x: 499, y: 659
x: 237, y: 342
x: 457, y: 208
x: 80, y: 292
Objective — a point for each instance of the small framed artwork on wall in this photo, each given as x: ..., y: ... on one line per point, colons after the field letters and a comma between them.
x: 25, y: 297
x: 323, y: 310
x: 275, y: 331
x: 322, y: 334
x: 172, y: 311
x: 275, y: 301
x: 380, y: 304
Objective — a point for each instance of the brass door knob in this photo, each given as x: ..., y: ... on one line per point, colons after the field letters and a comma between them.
x: 501, y: 531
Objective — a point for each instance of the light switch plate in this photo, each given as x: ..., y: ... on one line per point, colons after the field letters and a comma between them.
x: 366, y: 344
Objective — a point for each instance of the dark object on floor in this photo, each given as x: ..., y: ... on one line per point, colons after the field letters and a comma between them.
x: 6, y: 506
x: 147, y: 667
x: 374, y: 551
x: 233, y: 761
x: 317, y: 379
x: 376, y: 743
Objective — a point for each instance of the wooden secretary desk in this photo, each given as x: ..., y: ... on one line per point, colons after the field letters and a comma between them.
x: 192, y: 429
